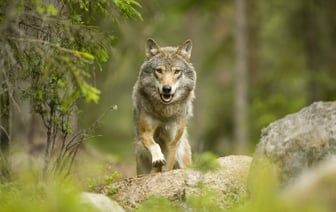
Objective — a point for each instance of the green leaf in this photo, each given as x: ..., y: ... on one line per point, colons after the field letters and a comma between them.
x: 51, y: 9
x: 85, y: 55
x: 126, y: 7
x: 90, y: 93
x: 102, y: 55
x: 40, y: 9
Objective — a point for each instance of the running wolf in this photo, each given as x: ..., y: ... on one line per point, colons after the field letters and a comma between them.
x: 162, y: 103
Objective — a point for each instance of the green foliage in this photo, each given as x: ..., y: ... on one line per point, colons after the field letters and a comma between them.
x: 127, y: 8
x: 108, y: 183
x: 69, y: 47
x: 205, y: 162
x: 44, y: 8
x: 91, y: 93
x: 31, y: 195
x: 158, y: 204
x: 110, y: 179
x: 54, y: 50
x: 208, y: 200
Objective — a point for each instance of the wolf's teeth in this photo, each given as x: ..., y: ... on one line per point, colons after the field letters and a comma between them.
x: 166, y: 98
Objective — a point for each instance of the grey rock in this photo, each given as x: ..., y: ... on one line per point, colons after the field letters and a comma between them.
x: 315, y: 186
x: 230, y: 181
x: 299, y: 141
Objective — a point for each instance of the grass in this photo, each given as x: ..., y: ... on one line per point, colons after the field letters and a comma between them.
x: 26, y: 191
x: 30, y: 194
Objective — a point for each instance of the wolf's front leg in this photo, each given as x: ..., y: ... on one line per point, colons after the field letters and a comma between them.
x: 147, y: 128
x: 158, y: 159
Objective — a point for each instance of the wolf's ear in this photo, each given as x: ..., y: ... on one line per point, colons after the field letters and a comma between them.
x: 152, y: 48
x: 185, y: 49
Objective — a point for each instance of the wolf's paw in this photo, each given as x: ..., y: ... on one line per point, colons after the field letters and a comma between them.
x: 158, y: 159
x: 158, y: 163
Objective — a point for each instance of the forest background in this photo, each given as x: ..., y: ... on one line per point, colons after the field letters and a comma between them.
x: 290, y: 63
x: 290, y: 60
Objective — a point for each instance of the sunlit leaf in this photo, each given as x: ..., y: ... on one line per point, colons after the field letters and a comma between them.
x: 90, y: 93
x: 51, y: 9
x: 127, y: 8
x: 85, y: 55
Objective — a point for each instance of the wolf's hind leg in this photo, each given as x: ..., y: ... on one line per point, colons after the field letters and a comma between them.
x: 183, y: 154
x: 174, y: 145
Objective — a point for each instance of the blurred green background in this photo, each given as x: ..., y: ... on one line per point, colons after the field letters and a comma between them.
x: 291, y: 58
x: 291, y: 63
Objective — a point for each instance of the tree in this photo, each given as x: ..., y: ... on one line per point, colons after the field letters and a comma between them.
x: 4, y: 129
x: 240, y: 119
x: 57, y: 47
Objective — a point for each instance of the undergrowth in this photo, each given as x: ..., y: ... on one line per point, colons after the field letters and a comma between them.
x: 30, y: 194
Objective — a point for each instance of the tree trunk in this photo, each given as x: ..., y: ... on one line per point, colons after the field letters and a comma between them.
x: 240, y: 115
x: 37, y: 135
x: 312, y: 51
x: 5, y: 130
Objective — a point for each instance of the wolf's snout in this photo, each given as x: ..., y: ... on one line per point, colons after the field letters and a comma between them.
x: 166, y: 94
x: 166, y: 89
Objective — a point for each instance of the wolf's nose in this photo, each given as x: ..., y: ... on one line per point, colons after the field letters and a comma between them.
x: 166, y: 89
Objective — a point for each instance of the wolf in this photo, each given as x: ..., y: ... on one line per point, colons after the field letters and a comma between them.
x: 162, y: 103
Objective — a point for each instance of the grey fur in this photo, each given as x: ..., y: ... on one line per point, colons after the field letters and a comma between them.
x: 146, y: 98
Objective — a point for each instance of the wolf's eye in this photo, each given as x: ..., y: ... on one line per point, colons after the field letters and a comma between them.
x: 177, y: 71
x: 158, y: 70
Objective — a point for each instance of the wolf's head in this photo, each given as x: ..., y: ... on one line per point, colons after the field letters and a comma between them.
x: 167, y: 75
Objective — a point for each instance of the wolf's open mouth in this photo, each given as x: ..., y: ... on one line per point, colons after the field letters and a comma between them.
x: 166, y: 98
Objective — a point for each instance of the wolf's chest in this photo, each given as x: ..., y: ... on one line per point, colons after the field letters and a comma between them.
x: 164, y: 133
x: 168, y: 112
